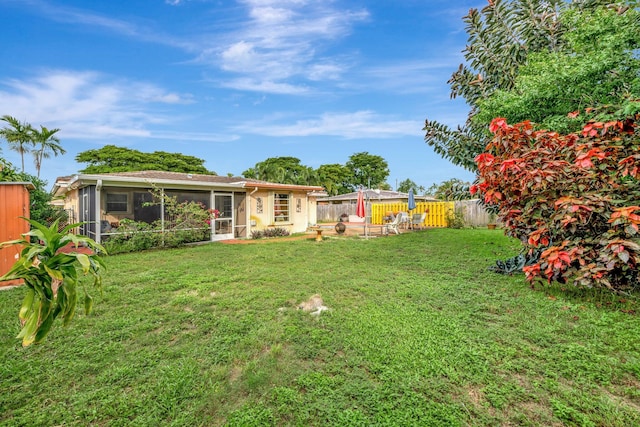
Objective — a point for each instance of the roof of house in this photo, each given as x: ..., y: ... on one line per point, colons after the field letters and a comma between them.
x: 373, y: 195
x: 173, y: 178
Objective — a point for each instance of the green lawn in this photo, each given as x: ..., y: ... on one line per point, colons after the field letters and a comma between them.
x: 419, y: 333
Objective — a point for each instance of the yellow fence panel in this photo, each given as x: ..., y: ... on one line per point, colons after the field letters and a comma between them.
x: 436, y: 212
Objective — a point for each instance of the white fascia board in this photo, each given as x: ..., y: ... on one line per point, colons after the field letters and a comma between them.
x: 127, y: 181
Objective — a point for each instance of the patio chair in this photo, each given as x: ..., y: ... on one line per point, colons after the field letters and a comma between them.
x: 417, y: 221
x: 393, y: 225
x: 405, y: 221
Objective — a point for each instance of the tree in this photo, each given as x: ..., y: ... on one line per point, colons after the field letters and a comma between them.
x: 334, y: 178
x: 451, y: 189
x: 111, y: 158
x: 8, y: 172
x: 596, y: 69
x: 40, y: 198
x: 501, y: 39
x: 19, y: 135
x: 284, y: 170
x: 407, y: 184
x: 572, y: 198
x: 367, y: 170
x: 46, y: 143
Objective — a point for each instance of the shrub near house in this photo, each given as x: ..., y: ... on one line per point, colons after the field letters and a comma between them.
x: 573, y: 196
x: 185, y: 222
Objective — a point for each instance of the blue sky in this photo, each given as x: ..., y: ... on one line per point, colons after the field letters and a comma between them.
x: 237, y: 81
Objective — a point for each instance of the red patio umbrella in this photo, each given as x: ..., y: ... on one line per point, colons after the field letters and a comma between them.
x: 360, y: 210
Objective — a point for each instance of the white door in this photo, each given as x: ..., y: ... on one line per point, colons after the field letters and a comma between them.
x: 223, y: 225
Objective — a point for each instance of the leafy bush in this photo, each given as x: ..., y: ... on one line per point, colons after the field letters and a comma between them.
x: 517, y: 263
x: 51, y: 277
x: 134, y: 236
x: 276, y: 232
x: 269, y: 232
x: 184, y: 222
x: 575, y: 197
x: 41, y: 209
x: 455, y: 219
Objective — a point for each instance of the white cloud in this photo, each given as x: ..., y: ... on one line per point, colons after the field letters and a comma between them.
x: 270, y: 15
x: 327, y: 71
x: 281, y: 41
x: 254, y: 85
x: 238, y: 56
x: 272, y: 42
x: 87, y: 104
x: 355, y: 125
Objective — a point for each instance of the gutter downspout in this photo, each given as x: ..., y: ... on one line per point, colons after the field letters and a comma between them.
x: 162, y: 212
x: 97, y: 211
x: 249, y: 211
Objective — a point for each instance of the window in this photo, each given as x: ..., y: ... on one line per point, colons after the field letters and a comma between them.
x: 281, y: 207
x: 117, y: 202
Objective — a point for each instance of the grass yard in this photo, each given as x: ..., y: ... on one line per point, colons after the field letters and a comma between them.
x: 419, y: 333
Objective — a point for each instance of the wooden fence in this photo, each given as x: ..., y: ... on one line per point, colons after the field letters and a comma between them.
x: 14, y: 204
x: 473, y: 213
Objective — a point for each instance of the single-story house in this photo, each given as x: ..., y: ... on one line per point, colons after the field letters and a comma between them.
x: 373, y: 196
x: 100, y: 201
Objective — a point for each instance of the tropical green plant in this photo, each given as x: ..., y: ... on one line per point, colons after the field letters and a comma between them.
x: 111, y: 158
x: 408, y: 184
x: 50, y: 271
x: 597, y: 68
x: 334, y: 178
x: 183, y: 222
x: 455, y: 219
x: 276, y: 232
x: 451, y: 189
x: 19, y: 135
x: 41, y: 210
x: 269, y: 232
x: 284, y: 170
x: 504, y: 36
x: 132, y: 236
x: 367, y: 170
x: 8, y: 172
x: 516, y: 264
x: 45, y: 143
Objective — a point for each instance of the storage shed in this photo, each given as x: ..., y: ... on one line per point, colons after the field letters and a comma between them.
x: 14, y: 203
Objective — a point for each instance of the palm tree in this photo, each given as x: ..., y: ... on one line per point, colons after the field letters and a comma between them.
x: 19, y: 135
x: 46, y: 144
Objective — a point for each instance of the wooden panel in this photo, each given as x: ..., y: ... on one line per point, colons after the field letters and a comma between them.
x: 14, y: 203
x: 436, y: 212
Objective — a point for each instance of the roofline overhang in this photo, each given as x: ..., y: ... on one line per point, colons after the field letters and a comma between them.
x: 276, y: 186
x: 128, y: 181
x: 28, y: 185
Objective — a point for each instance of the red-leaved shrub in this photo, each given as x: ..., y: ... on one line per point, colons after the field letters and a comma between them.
x: 575, y: 196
